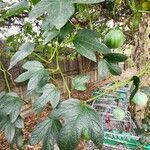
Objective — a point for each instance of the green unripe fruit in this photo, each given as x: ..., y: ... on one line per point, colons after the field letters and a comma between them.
x: 146, y: 6
x: 140, y: 98
x: 114, y: 39
x: 119, y: 114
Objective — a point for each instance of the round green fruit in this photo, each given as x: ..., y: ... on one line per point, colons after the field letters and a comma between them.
x: 114, y: 39
x: 119, y: 114
x: 146, y: 6
x: 140, y: 98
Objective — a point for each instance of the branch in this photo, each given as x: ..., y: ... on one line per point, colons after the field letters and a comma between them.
x: 5, y: 76
x: 121, y: 84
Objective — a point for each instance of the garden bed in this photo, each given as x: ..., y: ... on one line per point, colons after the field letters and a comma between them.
x: 32, y: 119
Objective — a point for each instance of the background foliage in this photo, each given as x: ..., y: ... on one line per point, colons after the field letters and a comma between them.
x: 45, y: 29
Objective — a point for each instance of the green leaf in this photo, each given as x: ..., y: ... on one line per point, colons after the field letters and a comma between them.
x: 25, y: 50
x: 36, y: 74
x: 19, y: 123
x: 48, y: 143
x: 58, y: 11
x: 103, y: 49
x: 40, y: 131
x: 34, y: 2
x: 64, y: 31
x: 103, y: 70
x: 86, y: 43
x: 49, y: 35
x: 4, y: 120
x: 9, y: 132
x: 48, y: 128
x: 2, y: 94
x: 49, y: 94
x: 47, y: 24
x: 115, y: 57
x: 69, y: 137
x: 20, y: 141
x: 25, y: 76
x: 135, y: 85
x: 87, y: 1
x: 39, y: 80
x: 17, y: 8
x: 30, y: 65
x: 11, y: 105
x: 114, y: 68
x: 77, y: 116
x: 79, y: 81
x: 52, y: 136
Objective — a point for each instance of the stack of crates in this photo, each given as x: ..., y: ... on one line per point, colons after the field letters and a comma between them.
x: 118, y: 134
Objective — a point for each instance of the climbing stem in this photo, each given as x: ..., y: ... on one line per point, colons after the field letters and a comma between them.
x: 5, y: 76
x: 120, y: 84
x: 42, y: 59
x: 143, y: 11
x: 131, y: 6
x: 52, y: 56
x: 65, y: 83
x: 60, y: 71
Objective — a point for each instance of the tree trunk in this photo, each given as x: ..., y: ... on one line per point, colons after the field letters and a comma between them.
x: 141, y: 53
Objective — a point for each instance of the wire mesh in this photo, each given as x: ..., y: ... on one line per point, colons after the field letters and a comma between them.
x: 119, y: 134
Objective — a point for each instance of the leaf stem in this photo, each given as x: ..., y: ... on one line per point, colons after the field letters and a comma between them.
x: 52, y: 56
x: 143, y: 11
x: 60, y: 71
x: 44, y: 60
x: 5, y: 76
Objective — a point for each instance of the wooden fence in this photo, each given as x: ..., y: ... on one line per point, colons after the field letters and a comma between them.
x: 70, y: 68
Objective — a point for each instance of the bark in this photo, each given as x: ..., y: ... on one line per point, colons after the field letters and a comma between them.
x: 141, y: 53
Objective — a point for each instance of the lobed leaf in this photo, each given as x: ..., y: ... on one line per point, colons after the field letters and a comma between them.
x: 36, y: 74
x: 69, y: 137
x: 33, y: 65
x: 64, y: 31
x: 48, y: 129
x: 114, y: 68
x: 50, y: 94
x: 19, y: 123
x: 25, y: 50
x: 77, y: 116
x: 11, y: 104
x: 58, y: 11
x: 9, y: 132
x: 79, y: 81
x: 17, y: 8
x: 3, y: 122
x: 49, y: 35
x: 40, y: 131
x: 86, y: 43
